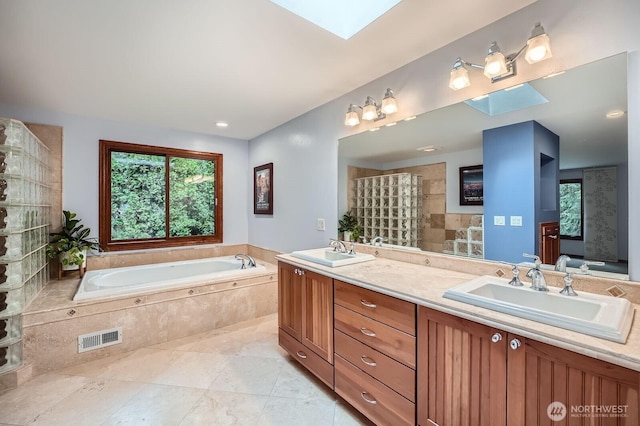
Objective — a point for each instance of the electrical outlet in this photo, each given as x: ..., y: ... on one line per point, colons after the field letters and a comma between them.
x: 516, y: 220
x: 320, y: 224
x: 499, y: 220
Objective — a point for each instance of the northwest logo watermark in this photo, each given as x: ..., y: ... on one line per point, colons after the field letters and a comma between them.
x: 557, y: 411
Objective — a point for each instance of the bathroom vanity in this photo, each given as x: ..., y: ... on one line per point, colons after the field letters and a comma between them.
x: 381, y: 335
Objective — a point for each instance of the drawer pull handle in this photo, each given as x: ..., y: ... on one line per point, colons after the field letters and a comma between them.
x: 367, y: 332
x: 301, y: 355
x: 369, y: 400
x: 368, y: 304
x: 365, y: 359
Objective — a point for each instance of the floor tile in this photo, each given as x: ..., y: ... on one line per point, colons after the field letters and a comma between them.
x: 192, y: 369
x: 293, y: 382
x: 226, y: 408
x: 297, y: 412
x: 90, y: 405
x: 25, y: 403
x: 157, y: 405
x: 248, y: 374
x: 143, y: 365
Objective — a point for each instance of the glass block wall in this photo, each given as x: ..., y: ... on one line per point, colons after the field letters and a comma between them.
x: 24, y: 231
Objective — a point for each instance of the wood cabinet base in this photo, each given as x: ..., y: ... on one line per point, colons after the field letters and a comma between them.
x: 309, y: 359
x: 373, y: 399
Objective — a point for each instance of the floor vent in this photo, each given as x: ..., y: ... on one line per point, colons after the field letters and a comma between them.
x: 99, y: 339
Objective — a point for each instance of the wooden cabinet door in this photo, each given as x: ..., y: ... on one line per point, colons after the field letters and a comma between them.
x: 290, y: 299
x: 549, y: 242
x: 317, y: 314
x: 591, y: 391
x: 461, y: 371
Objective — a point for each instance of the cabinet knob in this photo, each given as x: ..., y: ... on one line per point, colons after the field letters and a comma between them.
x: 367, y: 332
x: 368, y: 304
x: 301, y: 355
x: 515, y: 344
x: 368, y: 399
x: 496, y: 337
x: 365, y: 359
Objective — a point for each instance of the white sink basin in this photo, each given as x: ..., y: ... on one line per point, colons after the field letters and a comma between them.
x: 599, y: 316
x: 328, y: 257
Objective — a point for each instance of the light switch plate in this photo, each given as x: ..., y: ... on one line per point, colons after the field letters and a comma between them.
x: 516, y: 220
x: 320, y: 224
x: 498, y: 220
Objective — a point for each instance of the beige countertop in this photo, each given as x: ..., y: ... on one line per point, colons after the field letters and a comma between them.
x: 425, y: 285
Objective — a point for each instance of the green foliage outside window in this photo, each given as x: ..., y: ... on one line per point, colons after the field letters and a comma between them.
x: 571, y: 209
x: 138, y: 196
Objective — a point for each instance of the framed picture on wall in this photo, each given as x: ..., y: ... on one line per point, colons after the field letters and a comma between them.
x: 263, y: 189
x: 471, y: 187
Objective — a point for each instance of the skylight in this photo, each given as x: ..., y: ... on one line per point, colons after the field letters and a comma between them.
x: 343, y: 18
x: 507, y: 100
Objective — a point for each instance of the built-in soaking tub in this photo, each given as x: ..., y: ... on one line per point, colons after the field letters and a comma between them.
x: 114, y: 282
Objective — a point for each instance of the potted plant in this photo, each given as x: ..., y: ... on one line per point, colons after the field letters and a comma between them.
x: 72, y: 243
x: 348, y: 227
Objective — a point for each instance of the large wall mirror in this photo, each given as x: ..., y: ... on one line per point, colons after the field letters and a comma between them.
x: 573, y: 105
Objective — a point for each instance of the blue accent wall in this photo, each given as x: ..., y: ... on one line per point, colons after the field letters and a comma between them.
x: 520, y: 179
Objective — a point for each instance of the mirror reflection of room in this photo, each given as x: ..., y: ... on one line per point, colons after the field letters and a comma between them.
x: 586, y: 198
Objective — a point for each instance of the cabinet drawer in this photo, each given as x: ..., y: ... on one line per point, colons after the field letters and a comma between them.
x: 373, y: 399
x: 397, y: 376
x: 391, y: 342
x: 312, y: 362
x: 397, y: 313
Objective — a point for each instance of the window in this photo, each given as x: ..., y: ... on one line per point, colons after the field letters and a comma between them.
x: 571, y: 209
x: 154, y: 197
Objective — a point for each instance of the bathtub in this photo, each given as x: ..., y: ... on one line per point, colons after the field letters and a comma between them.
x: 114, y: 282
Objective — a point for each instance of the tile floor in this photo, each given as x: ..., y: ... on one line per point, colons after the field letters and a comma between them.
x: 236, y: 375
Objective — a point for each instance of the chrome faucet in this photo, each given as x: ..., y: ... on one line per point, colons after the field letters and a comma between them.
x: 561, y: 263
x: 584, y: 268
x: 338, y: 245
x: 378, y: 240
x: 515, y: 281
x: 251, y: 260
x: 538, y: 282
x: 568, y: 289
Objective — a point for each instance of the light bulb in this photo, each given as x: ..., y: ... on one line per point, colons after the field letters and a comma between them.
x: 369, y: 112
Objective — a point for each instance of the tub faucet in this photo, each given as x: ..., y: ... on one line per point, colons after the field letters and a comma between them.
x: 377, y: 241
x: 561, y: 263
x: 251, y: 260
x: 538, y: 282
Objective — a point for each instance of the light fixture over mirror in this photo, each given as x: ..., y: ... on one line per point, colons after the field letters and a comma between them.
x: 497, y: 66
x: 371, y: 111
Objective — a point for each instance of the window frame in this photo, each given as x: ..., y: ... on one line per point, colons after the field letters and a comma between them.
x: 581, y: 237
x: 104, y: 195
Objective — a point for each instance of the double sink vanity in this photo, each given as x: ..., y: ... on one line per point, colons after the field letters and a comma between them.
x: 415, y: 338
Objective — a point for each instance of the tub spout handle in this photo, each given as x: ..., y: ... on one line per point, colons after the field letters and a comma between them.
x: 242, y: 257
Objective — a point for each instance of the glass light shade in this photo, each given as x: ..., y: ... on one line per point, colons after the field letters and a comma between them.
x: 495, y: 64
x: 459, y: 78
x: 389, y: 105
x: 538, y: 49
x: 351, y: 119
x: 369, y: 112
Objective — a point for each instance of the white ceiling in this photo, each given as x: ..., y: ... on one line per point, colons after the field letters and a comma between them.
x: 578, y: 103
x: 187, y: 64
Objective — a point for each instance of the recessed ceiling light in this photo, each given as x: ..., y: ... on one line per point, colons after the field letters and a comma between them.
x: 410, y: 118
x: 375, y: 129
x: 390, y: 124
x: 429, y: 148
x: 615, y: 113
x: 222, y: 124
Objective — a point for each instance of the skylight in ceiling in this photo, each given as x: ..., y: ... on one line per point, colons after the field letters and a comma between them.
x: 343, y: 18
x: 507, y: 100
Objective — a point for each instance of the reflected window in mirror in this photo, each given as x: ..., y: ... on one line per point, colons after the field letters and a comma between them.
x: 571, y: 209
